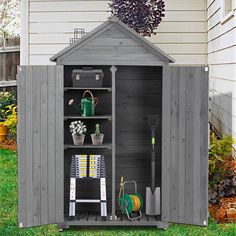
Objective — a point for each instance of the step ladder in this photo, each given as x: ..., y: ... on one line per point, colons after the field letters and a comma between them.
x: 87, y: 166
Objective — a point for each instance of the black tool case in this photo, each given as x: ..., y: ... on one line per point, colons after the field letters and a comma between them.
x: 87, y: 77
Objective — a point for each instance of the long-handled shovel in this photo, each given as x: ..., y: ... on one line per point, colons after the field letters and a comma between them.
x: 153, y: 193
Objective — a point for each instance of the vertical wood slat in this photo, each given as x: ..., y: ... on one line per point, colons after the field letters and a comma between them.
x: 182, y: 145
x: 44, y: 144
x: 59, y: 144
x: 166, y: 183
x: 29, y: 149
x: 174, y: 142
x: 189, y: 147
x: 40, y: 135
x: 185, y: 132
x: 196, y: 147
x: 204, y: 147
x: 36, y: 115
x: 51, y: 144
x: 21, y: 147
x: 113, y: 71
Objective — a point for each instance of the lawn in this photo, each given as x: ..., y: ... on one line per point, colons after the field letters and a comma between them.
x: 8, y: 213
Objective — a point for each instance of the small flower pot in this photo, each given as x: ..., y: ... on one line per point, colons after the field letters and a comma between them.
x: 78, y: 139
x: 97, y: 140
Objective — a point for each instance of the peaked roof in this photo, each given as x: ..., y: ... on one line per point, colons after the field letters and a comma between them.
x: 112, y: 21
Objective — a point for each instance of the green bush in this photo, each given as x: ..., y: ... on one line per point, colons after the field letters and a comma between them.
x: 6, y: 99
x: 11, y: 120
x: 219, y: 150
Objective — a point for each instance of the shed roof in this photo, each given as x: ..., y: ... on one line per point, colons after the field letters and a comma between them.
x: 114, y: 23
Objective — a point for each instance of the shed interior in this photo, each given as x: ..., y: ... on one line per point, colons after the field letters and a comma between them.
x: 138, y: 93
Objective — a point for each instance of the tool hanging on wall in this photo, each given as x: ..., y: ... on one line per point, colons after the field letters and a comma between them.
x: 153, y: 193
x: 130, y: 204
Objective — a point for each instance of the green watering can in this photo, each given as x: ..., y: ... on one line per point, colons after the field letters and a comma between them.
x: 88, y: 104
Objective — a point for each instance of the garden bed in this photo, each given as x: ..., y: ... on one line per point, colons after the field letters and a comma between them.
x: 222, y: 179
x: 225, y: 211
x: 9, y: 145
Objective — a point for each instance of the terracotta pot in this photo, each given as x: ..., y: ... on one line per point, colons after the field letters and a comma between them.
x: 97, y: 140
x: 78, y: 139
x: 3, y: 132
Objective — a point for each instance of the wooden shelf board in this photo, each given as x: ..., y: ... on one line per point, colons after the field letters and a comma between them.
x: 105, y: 117
x: 76, y: 88
x: 88, y: 146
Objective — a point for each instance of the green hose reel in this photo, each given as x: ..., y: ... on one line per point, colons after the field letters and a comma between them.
x: 126, y: 203
x: 130, y: 203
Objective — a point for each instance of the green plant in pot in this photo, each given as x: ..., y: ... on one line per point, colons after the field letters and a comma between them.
x: 97, y: 137
x: 78, y: 130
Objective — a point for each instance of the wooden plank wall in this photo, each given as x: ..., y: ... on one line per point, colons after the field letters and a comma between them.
x: 113, y: 46
x: 138, y: 94
x: 51, y: 24
x: 40, y: 145
x: 222, y: 64
x: 9, y: 60
x: 185, y: 145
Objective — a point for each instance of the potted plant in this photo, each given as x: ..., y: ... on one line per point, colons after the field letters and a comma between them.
x: 6, y: 100
x: 78, y: 130
x: 97, y: 137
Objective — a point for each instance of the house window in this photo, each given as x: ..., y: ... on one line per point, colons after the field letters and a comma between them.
x: 228, y: 7
x: 227, y: 10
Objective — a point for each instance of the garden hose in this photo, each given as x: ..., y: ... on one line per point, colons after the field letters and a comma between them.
x: 136, y: 203
x: 129, y: 203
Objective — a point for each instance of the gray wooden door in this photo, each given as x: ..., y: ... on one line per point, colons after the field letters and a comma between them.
x: 40, y: 145
x: 185, y: 145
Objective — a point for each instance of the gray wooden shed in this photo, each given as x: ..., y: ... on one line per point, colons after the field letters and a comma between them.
x: 138, y: 81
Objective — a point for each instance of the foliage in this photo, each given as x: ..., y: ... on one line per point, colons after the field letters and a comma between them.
x: 219, y: 150
x: 77, y: 128
x: 11, y: 120
x: 142, y: 16
x: 97, y: 130
x: 9, y: 225
x: 9, y: 18
x: 6, y: 99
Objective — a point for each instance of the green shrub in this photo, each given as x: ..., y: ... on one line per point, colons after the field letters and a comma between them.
x: 11, y: 120
x: 219, y: 150
x: 6, y: 99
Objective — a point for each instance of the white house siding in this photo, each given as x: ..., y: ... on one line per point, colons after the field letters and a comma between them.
x: 48, y: 25
x: 222, y: 63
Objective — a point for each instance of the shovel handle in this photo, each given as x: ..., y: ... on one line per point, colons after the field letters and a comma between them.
x: 153, y: 172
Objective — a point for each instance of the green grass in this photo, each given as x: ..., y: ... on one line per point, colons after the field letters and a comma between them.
x: 8, y: 214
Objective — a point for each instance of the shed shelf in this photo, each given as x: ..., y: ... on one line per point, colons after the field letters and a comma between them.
x: 88, y: 146
x: 88, y: 218
x: 106, y: 117
x: 109, y: 89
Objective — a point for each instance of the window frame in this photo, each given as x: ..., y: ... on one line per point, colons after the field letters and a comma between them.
x: 229, y: 15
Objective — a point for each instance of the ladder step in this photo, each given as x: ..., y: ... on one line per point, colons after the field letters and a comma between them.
x: 88, y: 200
